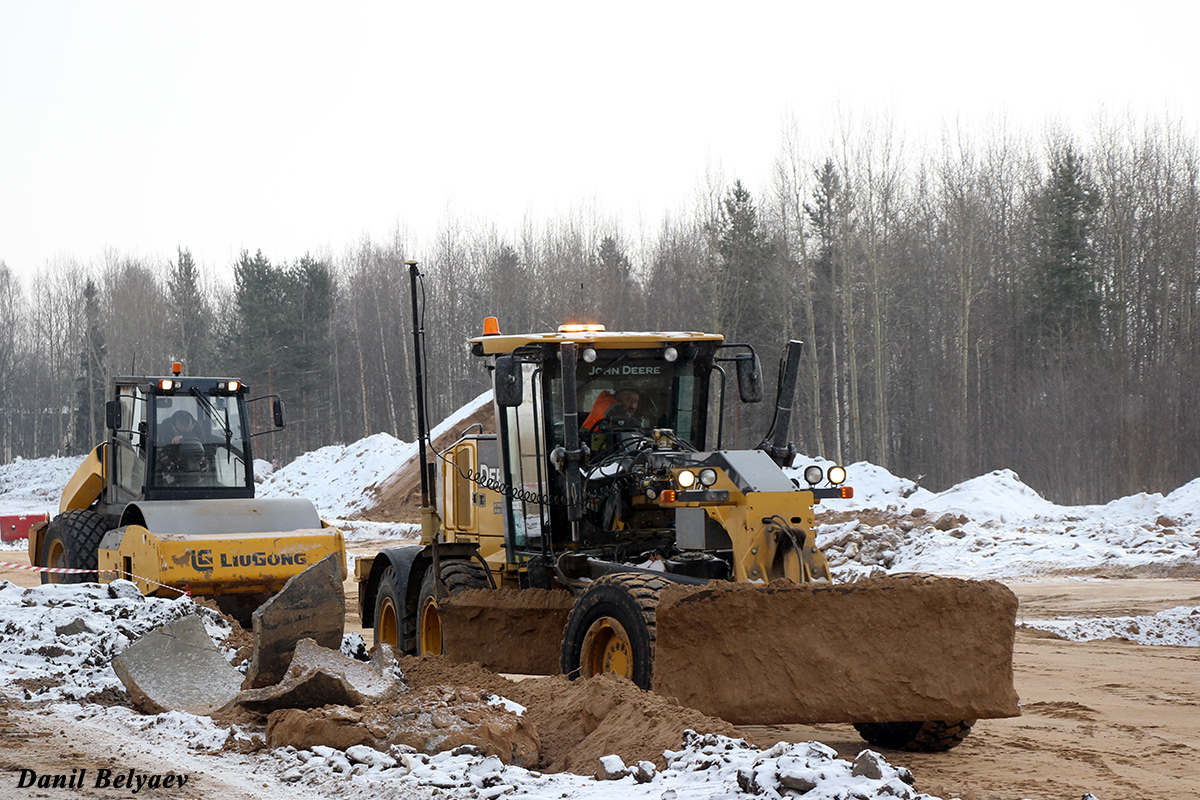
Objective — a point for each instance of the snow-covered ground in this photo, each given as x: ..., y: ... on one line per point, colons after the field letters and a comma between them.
x: 56, y: 641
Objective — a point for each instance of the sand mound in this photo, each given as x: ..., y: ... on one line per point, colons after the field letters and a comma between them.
x: 568, y: 724
x: 580, y: 721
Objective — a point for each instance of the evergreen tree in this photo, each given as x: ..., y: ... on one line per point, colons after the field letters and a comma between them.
x: 90, y: 380
x: 616, y: 283
x: 190, y: 313
x: 1067, y: 303
x: 745, y: 257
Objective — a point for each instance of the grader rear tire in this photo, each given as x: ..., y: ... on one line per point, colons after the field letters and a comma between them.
x: 395, y: 625
x: 72, y: 542
x: 931, y: 736
x: 612, y: 628
x: 458, y: 575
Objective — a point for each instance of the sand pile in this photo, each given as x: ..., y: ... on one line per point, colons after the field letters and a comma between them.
x: 551, y: 724
x: 583, y: 720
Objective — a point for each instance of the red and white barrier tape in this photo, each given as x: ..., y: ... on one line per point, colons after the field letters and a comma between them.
x: 96, y: 572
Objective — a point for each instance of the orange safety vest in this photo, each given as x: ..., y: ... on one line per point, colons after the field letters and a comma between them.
x: 599, y: 409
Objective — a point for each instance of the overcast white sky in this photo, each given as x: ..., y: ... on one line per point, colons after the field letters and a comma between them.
x: 293, y: 127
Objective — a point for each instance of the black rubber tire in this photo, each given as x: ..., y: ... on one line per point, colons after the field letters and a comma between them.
x: 632, y: 600
x: 458, y: 575
x: 78, y: 532
x: 931, y: 736
x: 387, y: 595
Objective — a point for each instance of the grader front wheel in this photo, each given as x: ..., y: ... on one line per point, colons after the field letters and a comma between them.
x: 612, y: 628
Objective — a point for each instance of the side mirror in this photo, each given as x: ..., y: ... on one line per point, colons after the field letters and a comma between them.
x: 506, y: 380
x: 749, y: 375
x: 112, y: 414
x: 277, y: 412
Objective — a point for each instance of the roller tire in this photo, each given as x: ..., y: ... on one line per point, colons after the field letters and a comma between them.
x: 628, y: 599
x: 72, y: 541
x: 458, y: 575
x: 931, y: 736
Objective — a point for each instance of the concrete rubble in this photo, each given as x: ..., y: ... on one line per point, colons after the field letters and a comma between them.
x: 319, y: 676
x: 312, y: 605
x: 177, y: 668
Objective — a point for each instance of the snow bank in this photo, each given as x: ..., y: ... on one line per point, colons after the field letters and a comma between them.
x: 34, y: 486
x: 707, y: 766
x: 339, y: 479
x: 1179, y: 626
x: 58, y: 640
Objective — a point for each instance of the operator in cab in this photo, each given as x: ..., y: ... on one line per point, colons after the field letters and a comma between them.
x: 621, y: 406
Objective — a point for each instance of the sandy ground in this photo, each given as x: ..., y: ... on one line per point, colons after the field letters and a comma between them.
x: 1115, y: 719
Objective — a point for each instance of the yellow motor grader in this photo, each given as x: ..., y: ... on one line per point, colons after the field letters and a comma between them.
x: 605, y: 527
x: 167, y: 501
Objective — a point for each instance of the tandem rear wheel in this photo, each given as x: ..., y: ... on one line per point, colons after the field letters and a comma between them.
x: 418, y: 631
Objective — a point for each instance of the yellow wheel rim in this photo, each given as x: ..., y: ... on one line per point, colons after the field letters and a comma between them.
x: 57, y: 559
x: 431, y: 628
x: 606, y: 648
x: 388, y: 629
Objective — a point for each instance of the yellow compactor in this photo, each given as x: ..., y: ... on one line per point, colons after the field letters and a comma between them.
x: 167, y: 501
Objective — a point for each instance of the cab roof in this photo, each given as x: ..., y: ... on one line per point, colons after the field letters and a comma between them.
x: 499, y: 344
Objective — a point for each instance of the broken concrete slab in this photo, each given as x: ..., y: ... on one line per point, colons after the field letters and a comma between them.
x: 311, y: 605
x: 319, y: 677
x: 177, y: 668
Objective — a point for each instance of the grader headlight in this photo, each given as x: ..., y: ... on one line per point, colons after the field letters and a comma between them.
x: 708, y: 476
x: 812, y: 475
x: 837, y: 475
x: 686, y: 479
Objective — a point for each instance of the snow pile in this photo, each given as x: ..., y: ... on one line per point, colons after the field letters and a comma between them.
x: 1179, y: 626
x: 874, y: 486
x: 58, y: 640
x: 338, y: 479
x: 34, y: 486
x: 196, y: 733
x: 707, y: 766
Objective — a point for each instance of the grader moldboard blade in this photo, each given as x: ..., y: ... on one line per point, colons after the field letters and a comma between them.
x: 879, y: 650
x: 506, y: 630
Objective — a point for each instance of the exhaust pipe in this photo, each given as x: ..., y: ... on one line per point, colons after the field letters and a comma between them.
x: 775, y: 443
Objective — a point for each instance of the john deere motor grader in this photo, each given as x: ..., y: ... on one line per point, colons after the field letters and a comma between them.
x: 174, y: 510
x: 633, y: 541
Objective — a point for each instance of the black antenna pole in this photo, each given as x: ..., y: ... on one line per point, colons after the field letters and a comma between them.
x: 418, y: 361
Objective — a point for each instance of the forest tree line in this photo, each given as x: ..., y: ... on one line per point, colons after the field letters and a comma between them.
x: 990, y: 302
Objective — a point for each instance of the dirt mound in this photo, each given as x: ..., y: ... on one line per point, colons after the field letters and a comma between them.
x: 430, y: 721
x: 508, y: 630
x: 568, y: 724
x: 915, y: 647
x: 398, y: 498
x: 580, y: 721
x: 423, y: 672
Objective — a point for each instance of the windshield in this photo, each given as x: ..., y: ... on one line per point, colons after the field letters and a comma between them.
x: 198, y: 442
x: 636, y: 390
